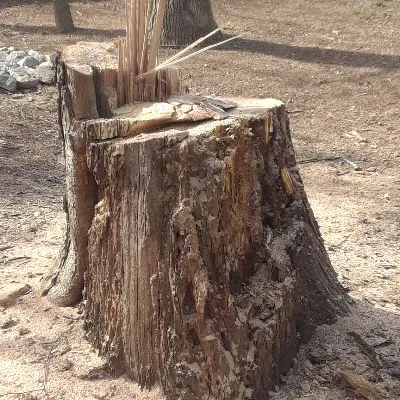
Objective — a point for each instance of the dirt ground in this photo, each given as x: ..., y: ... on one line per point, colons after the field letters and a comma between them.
x: 336, y: 65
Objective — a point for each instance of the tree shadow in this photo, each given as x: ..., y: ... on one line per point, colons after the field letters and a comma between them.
x: 46, y: 30
x: 16, y: 3
x: 315, y: 55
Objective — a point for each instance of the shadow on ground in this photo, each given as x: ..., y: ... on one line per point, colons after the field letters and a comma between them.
x: 16, y: 3
x: 51, y: 30
x: 315, y: 54
x: 305, y: 54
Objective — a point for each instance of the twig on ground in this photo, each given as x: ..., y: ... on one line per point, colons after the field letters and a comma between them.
x: 317, y: 159
x: 298, y: 111
x: 19, y: 258
x: 6, y: 247
x: 352, y: 164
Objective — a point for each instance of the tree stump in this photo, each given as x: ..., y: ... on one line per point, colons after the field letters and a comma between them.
x: 202, y: 262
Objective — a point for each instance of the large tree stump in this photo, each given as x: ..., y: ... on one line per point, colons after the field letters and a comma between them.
x: 204, y: 265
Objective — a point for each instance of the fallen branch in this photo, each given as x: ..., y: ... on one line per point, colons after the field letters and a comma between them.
x: 298, y: 111
x: 317, y: 159
x: 360, y: 385
x: 368, y: 350
x: 19, y: 258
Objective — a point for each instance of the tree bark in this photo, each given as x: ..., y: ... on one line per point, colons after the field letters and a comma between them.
x: 186, y: 21
x: 85, y: 91
x: 62, y: 13
x: 204, y: 265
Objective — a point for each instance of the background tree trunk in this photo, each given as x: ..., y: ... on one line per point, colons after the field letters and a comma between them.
x: 186, y: 21
x: 204, y: 265
x: 62, y: 13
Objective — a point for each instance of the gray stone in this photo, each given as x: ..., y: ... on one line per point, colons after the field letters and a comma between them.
x: 46, y: 73
x: 24, y: 80
x: 52, y: 58
x: 8, y: 82
x: 27, y: 82
x: 4, y: 49
x: 35, y: 54
x: 4, y: 66
x: 15, y: 56
x: 17, y: 70
x: 28, y: 61
x: 3, y: 56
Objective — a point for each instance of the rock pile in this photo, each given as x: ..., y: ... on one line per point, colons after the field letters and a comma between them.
x: 21, y: 69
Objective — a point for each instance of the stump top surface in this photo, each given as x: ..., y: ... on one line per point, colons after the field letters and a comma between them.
x: 95, y: 54
x: 140, y: 118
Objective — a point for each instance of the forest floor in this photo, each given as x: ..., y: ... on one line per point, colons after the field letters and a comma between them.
x: 336, y: 65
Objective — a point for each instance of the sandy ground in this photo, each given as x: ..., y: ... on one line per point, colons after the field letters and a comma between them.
x: 337, y: 67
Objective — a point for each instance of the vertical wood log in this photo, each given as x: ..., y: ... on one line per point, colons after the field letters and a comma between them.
x: 85, y: 92
x: 204, y: 265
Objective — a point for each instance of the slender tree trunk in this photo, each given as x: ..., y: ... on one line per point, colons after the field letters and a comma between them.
x: 63, y: 16
x: 186, y: 21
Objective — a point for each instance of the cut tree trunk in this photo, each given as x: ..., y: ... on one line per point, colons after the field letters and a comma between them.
x: 204, y: 265
x: 186, y: 21
x: 62, y: 14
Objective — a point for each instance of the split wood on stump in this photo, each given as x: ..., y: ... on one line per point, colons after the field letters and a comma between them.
x: 203, y: 265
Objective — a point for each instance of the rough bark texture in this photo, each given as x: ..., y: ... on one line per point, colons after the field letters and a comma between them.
x: 80, y: 98
x: 62, y: 14
x: 186, y: 21
x: 205, y: 267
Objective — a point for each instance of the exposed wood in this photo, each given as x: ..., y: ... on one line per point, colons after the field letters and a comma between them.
x: 107, y: 97
x: 188, y: 48
x: 157, y: 33
x: 82, y: 94
x: 120, y: 75
x: 287, y: 181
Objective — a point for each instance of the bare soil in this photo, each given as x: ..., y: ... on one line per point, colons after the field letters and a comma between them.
x: 337, y: 67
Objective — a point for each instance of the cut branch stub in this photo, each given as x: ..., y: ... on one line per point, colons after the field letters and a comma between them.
x: 205, y: 268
